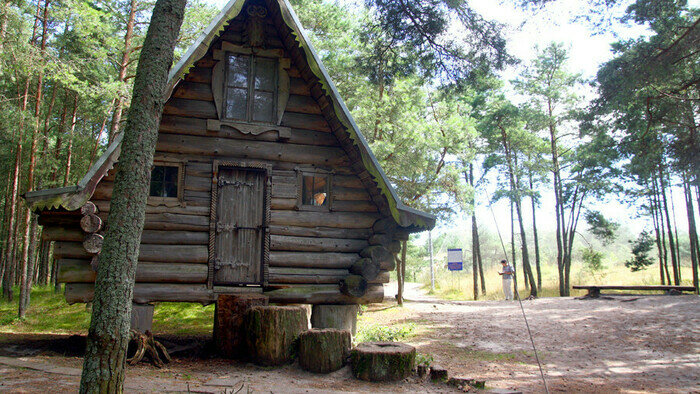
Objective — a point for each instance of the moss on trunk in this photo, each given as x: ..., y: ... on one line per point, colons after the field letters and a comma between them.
x: 108, y: 337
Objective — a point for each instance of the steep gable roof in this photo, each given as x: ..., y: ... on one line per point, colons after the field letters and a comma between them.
x: 342, y: 123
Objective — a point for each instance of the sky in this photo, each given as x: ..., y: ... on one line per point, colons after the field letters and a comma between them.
x: 588, y: 49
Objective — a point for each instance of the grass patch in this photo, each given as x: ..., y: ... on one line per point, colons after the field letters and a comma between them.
x: 459, y: 285
x: 377, y: 332
x: 49, y: 313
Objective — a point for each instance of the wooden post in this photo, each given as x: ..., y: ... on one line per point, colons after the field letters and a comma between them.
x: 228, y: 322
x: 342, y: 317
x: 141, y: 317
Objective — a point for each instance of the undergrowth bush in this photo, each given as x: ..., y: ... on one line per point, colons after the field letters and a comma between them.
x: 375, y: 332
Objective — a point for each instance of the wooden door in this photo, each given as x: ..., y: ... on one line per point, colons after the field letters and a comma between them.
x: 240, y: 226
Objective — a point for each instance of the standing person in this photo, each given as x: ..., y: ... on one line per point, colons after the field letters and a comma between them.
x: 507, y: 274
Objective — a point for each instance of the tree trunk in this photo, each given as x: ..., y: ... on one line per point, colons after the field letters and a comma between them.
x: 69, y: 155
x: 671, y: 241
x: 475, y: 263
x: 108, y: 336
x: 536, y: 237
x: 31, y: 225
x: 514, y: 259
x: 558, y: 201
x: 675, y: 231
x: 692, y: 233
x: 382, y: 361
x: 123, y: 68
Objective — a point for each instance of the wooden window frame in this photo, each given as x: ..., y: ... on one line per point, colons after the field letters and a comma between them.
x: 301, y: 173
x: 219, y: 84
x: 170, y: 201
x: 250, y: 104
x: 213, y: 218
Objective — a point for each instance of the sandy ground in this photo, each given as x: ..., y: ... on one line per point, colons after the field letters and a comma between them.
x: 625, y: 344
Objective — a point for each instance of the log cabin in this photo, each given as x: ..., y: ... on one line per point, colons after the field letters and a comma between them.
x: 261, y: 181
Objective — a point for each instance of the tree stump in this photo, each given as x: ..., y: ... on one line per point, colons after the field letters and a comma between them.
x: 229, y: 317
x: 324, y: 351
x: 382, y: 361
x: 272, y: 333
x: 342, y: 317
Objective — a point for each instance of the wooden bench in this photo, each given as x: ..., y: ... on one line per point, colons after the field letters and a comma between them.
x: 594, y: 291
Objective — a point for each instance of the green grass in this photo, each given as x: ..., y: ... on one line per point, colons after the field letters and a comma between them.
x: 49, y: 313
x: 458, y: 285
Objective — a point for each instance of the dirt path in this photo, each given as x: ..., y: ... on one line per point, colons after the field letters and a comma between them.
x: 627, y: 344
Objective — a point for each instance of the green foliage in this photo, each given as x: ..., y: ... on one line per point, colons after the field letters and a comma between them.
x: 592, y: 260
x: 375, y: 332
x: 424, y: 359
x: 601, y: 227
x: 640, y: 251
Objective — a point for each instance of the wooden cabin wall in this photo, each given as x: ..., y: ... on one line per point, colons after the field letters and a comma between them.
x: 309, y: 251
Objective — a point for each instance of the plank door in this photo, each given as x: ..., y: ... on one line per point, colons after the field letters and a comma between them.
x: 240, y: 226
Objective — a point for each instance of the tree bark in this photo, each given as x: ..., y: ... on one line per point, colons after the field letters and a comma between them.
x: 69, y: 155
x: 692, y: 233
x: 536, y: 237
x: 108, y: 336
x: 671, y: 241
x: 123, y: 68
x: 26, y: 273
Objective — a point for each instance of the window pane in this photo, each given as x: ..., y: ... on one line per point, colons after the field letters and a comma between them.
x: 238, y: 71
x: 265, y: 74
x: 169, y: 189
x: 164, y: 181
x: 315, y: 191
x: 263, y: 107
x: 236, y: 103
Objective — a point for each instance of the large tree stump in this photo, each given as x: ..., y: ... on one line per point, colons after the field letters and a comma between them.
x: 272, y: 333
x: 382, y: 361
x: 229, y: 317
x: 342, y: 317
x: 324, y: 351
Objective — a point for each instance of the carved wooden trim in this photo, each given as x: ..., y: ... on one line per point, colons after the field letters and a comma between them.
x: 213, y: 216
x: 284, y: 133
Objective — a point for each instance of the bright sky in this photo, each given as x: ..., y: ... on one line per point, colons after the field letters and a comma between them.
x: 588, y: 50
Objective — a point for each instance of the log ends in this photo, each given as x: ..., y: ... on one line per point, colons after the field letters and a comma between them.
x: 324, y: 350
x: 367, y: 268
x: 382, y: 361
x: 354, y: 286
x: 91, y: 223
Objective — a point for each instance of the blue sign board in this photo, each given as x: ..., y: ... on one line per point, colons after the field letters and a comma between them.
x: 454, y: 259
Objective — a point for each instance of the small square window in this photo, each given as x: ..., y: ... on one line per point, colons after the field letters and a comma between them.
x: 315, y: 191
x: 165, y: 181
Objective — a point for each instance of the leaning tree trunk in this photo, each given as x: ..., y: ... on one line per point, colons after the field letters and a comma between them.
x: 108, y: 337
